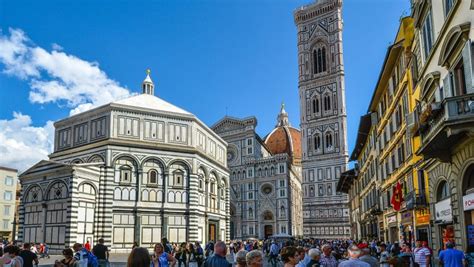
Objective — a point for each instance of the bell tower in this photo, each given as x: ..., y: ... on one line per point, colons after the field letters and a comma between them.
x: 323, y: 118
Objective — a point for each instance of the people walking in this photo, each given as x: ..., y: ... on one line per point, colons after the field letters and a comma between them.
x: 289, y: 256
x: 451, y: 256
x: 139, y: 257
x: 218, y: 258
x: 422, y: 255
x: 327, y: 259
x: 354, y: 261
x: 28, y: 256
x: 160, y: 258
x: 254, y: 259
x: 101, y: 252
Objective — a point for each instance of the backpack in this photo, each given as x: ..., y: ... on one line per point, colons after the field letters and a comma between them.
x: 92, y: 260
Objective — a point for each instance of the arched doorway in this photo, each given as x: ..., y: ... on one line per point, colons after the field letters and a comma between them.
x: 468, y: 205
x: 268, y: 223
x: 443, y: 214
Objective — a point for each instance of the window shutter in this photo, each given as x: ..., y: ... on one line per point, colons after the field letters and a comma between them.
x: 447, y: 86
x: 468, y: 66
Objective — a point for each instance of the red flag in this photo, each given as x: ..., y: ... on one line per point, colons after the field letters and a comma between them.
x: 397, y: 197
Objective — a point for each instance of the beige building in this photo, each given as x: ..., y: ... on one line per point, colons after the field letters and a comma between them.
x: 444, y: 117
x: 8, y: 186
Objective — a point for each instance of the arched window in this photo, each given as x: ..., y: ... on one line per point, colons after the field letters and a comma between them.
x: 443, y: 191
x: 125, y: 174
x: 327, y: 102
x: 317, y: 142
x: 266, y: 171
x: 282, y: 211
x: 272, y: 170
x: 153, y: 177
x: 178, y: 178
x: 213, y: 187
x: 328, y: 140
x: 324, y: 58
x: 319, y: 60
x: 315, y: 61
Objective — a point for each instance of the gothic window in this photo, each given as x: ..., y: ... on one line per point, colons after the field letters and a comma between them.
x: 282, y: 211
x: 319, y: 60
x: 153, y: 177
x: 329, y: 143
x: 272, y: 170
x: 34, y: 195
x: 317, y: 142
x: 327, y: 102
x: 250, y: 212
x: 259, y: 172
x: 125, y: 174
x: 323, y: 51
x: 266, y: 171
x: 57, y: 191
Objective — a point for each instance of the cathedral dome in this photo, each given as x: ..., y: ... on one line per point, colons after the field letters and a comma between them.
x: 284, y: 138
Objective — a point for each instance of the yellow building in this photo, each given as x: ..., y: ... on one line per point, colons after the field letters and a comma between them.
x: 8, y: 188
x: 393, y: 101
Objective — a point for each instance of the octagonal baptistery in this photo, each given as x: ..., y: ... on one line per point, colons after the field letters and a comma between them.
x: 134, y: 170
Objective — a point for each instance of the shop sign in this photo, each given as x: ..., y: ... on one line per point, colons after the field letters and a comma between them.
x: 407, y: 217
x: 443, y: 211
x: 468, y: 201
x: 422, y: 217
x: 392, y: 219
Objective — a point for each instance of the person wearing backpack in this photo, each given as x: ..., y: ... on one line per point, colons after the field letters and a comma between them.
x: 84, y: 257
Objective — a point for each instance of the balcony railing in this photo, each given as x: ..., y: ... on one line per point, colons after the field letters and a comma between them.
x: 416, y: 200
x: 442, y: 124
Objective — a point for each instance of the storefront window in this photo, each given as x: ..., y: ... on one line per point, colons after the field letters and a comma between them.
x: 447, y: 234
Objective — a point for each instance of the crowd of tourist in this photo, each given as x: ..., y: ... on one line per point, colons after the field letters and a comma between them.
x: 250, y: 253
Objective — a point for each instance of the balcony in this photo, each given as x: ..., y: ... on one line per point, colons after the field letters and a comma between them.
x: 443, y: 125
x: 416, y: 201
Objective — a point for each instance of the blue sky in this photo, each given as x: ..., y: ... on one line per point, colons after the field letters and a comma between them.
x: 209, y: 57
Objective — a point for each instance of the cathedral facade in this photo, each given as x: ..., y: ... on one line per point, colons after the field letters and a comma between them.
x: 134, y: 170
x: 323, y: 118
x: 265, y: 178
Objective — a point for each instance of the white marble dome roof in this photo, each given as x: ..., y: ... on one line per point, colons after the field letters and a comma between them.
x: 147, y: 101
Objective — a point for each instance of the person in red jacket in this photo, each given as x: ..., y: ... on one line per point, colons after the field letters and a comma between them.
x: 87, y: 246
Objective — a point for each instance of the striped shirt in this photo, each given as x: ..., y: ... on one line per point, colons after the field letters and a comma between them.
x: 420, y: 256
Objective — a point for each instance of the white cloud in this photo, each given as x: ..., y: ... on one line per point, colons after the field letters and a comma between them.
x: 54, y: 77
x: 57, y: 77
x: 21, y: 144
